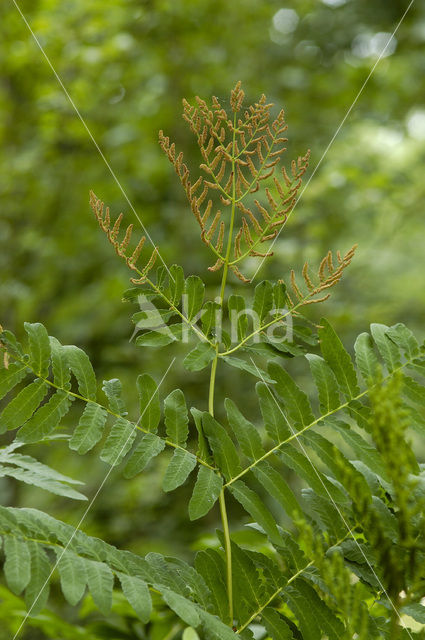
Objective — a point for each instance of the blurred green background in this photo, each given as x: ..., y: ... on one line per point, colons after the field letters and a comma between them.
x: 127, y: 65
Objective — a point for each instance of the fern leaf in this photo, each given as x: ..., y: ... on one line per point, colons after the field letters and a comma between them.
x: 236, y: 310
x: 362, y: 449
x: 275, y: 625
x: 100, y: 581
x: 296, y: 401
x: 194, y: 290
x: 39, y: 345
x: 313, y: 614
x: 176, y: 418
x: 73, y: 575
x: 205, y: 493
x: 210, y: 565
x: 60, y: 368
x: 245, y: 432
x: 37, y: 591
x: 324, y: 514
x: 249, y: 589
x: 388, y: 350
x: 150, y: 408
x: 209, y: 316
x: 137, y: 593
x: 10, y: 377
x: 21, y: 408
x: 253, y: 504
x: 338, y: 359
x: 315, y: 479
x: 41, y: 480
x: 90, y: 428
x: 274, y: 422
x: 17, y: 567
x: 176, y: 283
x: 119, y: 441
x: 203, y: 451
x: 161, y: 337
x: 404, y: 339
x: 263, y: 300
x: 185, y: 609
x: 276, y: 486
x: 199, y: 357
x: 325, y: 382
x: 326, y: 452
x: 238, y: 363
x: 112, y: 390
x: 215, y: 628
x: 181, y: 465
x: 46, y: 419
x: 366, y: 360
x: 27, y: 462
x: 224, y: 450
x: 82, y: 369
x: 149, y: 446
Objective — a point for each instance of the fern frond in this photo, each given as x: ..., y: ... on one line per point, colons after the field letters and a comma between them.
x: 121, y: 247
x: 238, y: 154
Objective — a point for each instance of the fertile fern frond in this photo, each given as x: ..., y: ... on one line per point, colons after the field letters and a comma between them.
x: 121, y: 247
x: 327, y: 277
x: 239, y: 152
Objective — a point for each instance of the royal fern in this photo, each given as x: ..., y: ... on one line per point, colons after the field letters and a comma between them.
x: 339, y: 558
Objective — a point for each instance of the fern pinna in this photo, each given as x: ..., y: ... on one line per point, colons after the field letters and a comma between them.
x: 340, y: 558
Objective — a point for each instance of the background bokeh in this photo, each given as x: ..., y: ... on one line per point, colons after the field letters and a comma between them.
x: 127, y: 65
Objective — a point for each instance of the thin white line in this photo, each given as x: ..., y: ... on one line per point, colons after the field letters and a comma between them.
x: 337, y: 131
x: 92, y: 502
x: 102, y: 155
x: 332, y: 500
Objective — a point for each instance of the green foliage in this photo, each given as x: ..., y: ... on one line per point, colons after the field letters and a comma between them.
x: 341, y: 554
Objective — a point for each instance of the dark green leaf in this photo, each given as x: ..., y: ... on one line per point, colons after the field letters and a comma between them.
x: 181, y: 465
x: 274, y: 419
x: 90, y: 428
x: 253, y: 504
x: 296, y: 401
x: 194, y: 290
x: 199, y: 357
x: 205, y: 493
x: 80, y: 366
x: 39, y: 345
x: 46, y: 419
x: 224, y: 450
x: 21, y: 408
x: 150, y: 408
x: 338, y: 359
x: 245, y: 432
x: 137, y: 593
x: 149, y: 446
x: 238, y: 363
x: 119, y: 441
x: 113, y: 390
x: 176, y: 418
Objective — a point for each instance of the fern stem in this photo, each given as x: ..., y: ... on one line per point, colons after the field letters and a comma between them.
x: 212, y: 383
x: 232, y: 215
x: 228, y: 550
x: 222, y: 500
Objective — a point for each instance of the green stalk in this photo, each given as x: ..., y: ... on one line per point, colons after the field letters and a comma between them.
x: 222, y: 500
x: 228, y: 550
